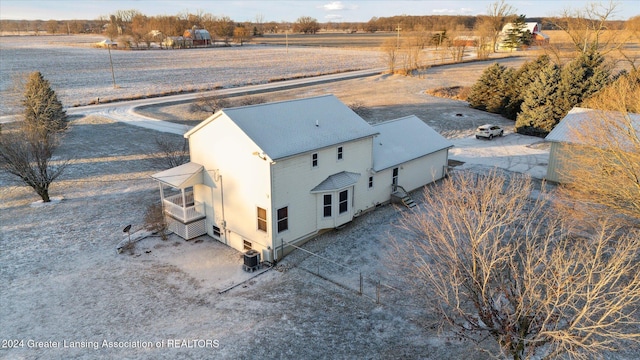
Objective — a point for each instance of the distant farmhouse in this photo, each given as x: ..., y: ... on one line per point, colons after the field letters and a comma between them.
x: 568, y: 137
x: 267, y: 175
x: 533, y: 28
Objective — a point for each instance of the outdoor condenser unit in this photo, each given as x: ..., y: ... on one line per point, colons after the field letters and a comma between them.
x: 251, y: 260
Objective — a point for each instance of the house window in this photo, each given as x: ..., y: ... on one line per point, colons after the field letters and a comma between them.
x: 340, y: 153
x: 394, y: 180
x: 343, y: 203
x: 327, y: 205
x: 216, y: 231
x: 314, y: 160
x: 283, y: 219
x: 370, y: 182
x: 246, y: 245
x: 262, y: 219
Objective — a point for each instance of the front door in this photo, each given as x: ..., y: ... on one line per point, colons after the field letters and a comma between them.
x: 394, y: 179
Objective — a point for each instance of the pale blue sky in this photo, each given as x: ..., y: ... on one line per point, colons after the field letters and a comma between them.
x: 323, y: 11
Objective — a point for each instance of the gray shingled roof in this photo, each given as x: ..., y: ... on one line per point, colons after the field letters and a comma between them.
x: 283, y: 129
x: 405, y: 139
x: 580, y: 117
x: 337, y: 181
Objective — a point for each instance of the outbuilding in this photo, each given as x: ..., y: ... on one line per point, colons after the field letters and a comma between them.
x: 575, y: 134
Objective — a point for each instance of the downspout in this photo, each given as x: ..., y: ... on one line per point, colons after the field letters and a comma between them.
x: 224, y: 221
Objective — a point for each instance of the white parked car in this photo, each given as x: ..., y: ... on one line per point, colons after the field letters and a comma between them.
x: 489, y: 131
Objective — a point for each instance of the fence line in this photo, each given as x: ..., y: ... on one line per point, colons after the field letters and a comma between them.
x: 361, y: 281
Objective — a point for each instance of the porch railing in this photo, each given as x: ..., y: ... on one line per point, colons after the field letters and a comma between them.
x: 192, y: 211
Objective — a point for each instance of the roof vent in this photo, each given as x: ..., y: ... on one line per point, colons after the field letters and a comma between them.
x: 317, y: 124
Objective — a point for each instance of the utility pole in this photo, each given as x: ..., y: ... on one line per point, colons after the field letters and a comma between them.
x: 113, y: 76
x: 398, y: 39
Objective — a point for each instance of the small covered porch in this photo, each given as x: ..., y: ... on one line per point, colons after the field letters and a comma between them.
x: 184, y: 215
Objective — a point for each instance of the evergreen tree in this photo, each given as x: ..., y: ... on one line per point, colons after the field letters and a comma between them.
x: 540, y: 111
x: 489, y: 93
x: 515, y: 34
x: 581, y: 78
x: 43, y: 112
x: 519, y: 86
x: 26, y: 152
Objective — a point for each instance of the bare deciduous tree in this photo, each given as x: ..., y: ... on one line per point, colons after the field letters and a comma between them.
x: 499, y: 13
x: 390, y: 50
x: 602, y: 165
x: 494, y: 261
x: 589, y: 29
x: 155, y: 221
x: 172, y: 153
x: 209, y: 103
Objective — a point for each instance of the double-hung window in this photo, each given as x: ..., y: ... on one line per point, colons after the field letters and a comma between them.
x: 262, y: 219
x: 343, y: 201
x: 327, y: 205
x: 283, y: 219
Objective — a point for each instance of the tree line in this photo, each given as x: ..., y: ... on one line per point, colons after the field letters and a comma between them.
x: 182, y: 21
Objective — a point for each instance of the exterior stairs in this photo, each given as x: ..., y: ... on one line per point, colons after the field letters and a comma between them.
x: 408, y: 202
x: 400, y: 195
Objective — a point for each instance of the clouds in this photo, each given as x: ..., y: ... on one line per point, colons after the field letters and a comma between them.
x: 459, y: 11
x: 334, y: 8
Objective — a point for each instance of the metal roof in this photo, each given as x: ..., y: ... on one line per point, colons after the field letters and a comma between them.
x: 182, y: 176
x: 286, y: 128
x: 337, y: 181
x: 571, y: 129
x: 405, y: 139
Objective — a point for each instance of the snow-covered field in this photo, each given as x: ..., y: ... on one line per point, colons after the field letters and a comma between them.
x: 80, y: 73
x: 63, y: 284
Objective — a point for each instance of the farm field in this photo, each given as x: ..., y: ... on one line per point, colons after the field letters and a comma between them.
x: 64, y: 281
x: 81, y: 74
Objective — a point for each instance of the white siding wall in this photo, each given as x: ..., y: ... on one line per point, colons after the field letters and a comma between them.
x: 411, y: 175
x: 294, y: 178
x: 381, y: 191
x: 555, y: 164
x: 419, y: 172
x: 244, y: 182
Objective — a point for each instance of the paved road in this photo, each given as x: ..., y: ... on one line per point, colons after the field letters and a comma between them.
x: 124, y: 111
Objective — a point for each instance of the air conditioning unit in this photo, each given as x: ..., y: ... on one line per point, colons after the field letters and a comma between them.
x: 251, y: 261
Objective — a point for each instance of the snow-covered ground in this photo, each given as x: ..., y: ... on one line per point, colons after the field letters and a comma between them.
x: 513, y: 152
x: 64, y: 284
x: 81, y: 74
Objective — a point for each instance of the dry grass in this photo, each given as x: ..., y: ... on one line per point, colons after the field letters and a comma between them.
x: 452, y: 92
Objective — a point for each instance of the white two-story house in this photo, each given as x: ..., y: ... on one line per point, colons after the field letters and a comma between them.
x: 264, y: 176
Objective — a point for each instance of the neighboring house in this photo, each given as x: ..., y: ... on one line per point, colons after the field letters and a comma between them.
x: 177, y: 42
x: 567, y: 137
x: 266, y: 175
x: 198, y: 37
x: 537, y: 36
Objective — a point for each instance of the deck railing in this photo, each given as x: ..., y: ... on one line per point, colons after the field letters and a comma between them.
x: 173, y: 206
x: 177, y: 199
